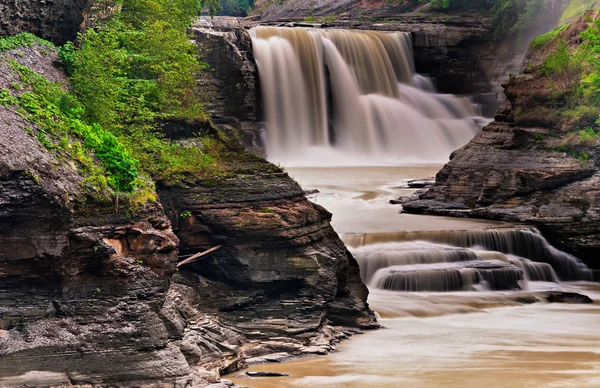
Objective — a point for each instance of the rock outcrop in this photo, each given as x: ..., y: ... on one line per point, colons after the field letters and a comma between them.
x: 57, y: 20
x: 527, y: 167
x: 230, y: 83
x: 281, y: 269
x: 90, y: 293
x: 80, y: 283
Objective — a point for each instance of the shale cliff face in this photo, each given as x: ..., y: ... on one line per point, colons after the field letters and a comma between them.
x: 89, y: 290
x: 57, y: 20
x: 281, y: 269
x: 528, y: 166
x: 80, y: 283
x: 230, y: 84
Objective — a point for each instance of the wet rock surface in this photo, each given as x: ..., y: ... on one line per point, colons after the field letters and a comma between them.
x: 568, y: 297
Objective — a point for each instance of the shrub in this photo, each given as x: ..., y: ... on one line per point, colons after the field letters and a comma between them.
x: 546, y: 38
x: 59, y: 117
x: 558, y: 61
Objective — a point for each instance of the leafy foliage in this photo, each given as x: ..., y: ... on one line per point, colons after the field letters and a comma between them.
x: 136, y: 69
x: 128, y: 77
x: 572, y: 72
x: 59, y: 118
x: 24, y: 39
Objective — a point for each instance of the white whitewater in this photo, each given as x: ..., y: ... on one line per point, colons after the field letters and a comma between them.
x: 344, y: 97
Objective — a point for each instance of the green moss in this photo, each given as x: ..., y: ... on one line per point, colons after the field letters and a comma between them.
x: 546, y: 38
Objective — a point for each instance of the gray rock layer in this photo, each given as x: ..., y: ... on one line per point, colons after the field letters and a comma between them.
x: 513, y: 172
x: 90, y: 295
x: 56, y: 20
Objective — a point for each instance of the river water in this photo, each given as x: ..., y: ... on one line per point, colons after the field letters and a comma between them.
x: 477, y: 338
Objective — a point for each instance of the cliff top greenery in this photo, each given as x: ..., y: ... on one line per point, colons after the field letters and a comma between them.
x: 137, y: 69
x: 562, y: 87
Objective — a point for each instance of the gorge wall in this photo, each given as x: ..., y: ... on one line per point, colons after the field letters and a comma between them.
x: 458, y: 52
x: 89, y: 289
x: 532, y: 164
x: 57, y: 21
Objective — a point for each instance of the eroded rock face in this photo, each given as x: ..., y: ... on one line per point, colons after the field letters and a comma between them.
x: 89, y: 293
x: 58, y: 20
x: 80, y: 292
x: 281, y: 270
x: 230, y: 82
x: 525, y: 167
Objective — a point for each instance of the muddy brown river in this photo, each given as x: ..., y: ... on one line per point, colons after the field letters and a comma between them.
x: 476, y: 336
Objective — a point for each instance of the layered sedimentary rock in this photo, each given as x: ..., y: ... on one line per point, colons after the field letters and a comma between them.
x: 90, y: 293
x: 80, y: 283
x: 529, y: 167
x: 229, y: 84
x: 280, y: 270
x: 57, y: 20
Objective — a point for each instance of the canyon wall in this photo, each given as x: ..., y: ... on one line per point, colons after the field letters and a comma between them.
x: 531, y: 164
x: 89, y: 289
x: 57, y: 21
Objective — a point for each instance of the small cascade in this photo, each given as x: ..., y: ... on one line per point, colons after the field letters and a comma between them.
x: 495, y: 275
x: 355, y: 92
x: 373, y: 258
x: 524, y: 243
x: 535, y: 272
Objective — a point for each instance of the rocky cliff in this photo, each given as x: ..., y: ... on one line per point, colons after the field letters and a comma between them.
x: 534, y: 163
x: 57, y: 20
x: 89, y: 289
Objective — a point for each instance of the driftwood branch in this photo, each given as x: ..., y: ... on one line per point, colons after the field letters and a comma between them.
x: 198, y: 256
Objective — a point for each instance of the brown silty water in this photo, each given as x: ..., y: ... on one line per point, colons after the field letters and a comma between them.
x: 346, y: 114
x: 450, y: 294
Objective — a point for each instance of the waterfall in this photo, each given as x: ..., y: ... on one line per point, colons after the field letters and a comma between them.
x: 524, y: 243
x: 426, y: 266
x: 455, y: 277
x: 352, y: 97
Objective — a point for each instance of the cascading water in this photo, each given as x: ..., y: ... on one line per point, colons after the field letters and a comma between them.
x: 428, y: 266
x: 352, y: 97
x: 527, y: 244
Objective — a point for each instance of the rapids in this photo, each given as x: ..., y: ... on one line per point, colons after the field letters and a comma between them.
x: 456, y: 297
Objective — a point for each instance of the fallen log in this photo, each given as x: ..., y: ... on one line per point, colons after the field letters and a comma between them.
x: 198, y: 256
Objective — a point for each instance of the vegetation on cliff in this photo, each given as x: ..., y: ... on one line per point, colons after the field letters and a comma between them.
x: 235, y: 7
x: 512, y: 18
x: 133, y: 73
x: 565, y: 75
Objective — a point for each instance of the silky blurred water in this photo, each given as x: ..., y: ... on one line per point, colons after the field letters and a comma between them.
x: 442, y: 339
